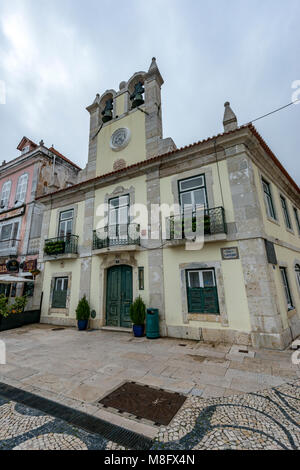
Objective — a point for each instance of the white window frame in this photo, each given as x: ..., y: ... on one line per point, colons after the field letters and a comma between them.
x: 64, y: 221
x: 200, y: 274
x: 11, y: 241
x: 286, y: 212
x: 5, y: 191
x: 192, y: 190
x: 297, y: 272
x: 21, y: 191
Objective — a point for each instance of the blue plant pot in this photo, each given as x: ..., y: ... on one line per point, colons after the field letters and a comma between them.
x: 82, y: 324
x: 138, y: 331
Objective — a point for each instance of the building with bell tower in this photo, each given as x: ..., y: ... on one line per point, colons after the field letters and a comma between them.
x: 242, y: 285
x: 126, y: 125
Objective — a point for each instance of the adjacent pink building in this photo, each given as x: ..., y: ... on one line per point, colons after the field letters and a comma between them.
x: 36, y: 171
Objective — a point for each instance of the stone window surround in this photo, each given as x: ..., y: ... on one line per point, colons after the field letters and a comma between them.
x: 284, y: 264
x: 186, y: 317
x: 104, y: 266
x: 207, y: 172
x: 291, y: 230
x: 120, y: 191
x: 73, y: 207
x: 296, y: 261
x: 53, y: 310
x: 270, y: 219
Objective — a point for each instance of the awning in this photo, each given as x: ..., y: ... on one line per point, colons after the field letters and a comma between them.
x: 7, y: 279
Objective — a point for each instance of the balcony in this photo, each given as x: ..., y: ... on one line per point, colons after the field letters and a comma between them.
x: 215, y: 227
x: 117, y: 238
x: 61, y: 247
x: 9, y: 247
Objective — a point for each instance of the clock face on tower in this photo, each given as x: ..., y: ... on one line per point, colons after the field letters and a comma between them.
x: 120, y: 139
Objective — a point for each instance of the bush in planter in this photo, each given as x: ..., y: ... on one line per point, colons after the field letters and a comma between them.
x: 7, y: 309
x: 83, y: 312
x: 137, y: 314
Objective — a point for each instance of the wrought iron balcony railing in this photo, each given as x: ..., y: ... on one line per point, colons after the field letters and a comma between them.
x: 116, y: 235
x: 61, y: 245
x: 214, y: 223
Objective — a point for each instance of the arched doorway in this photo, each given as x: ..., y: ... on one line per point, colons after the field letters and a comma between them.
x: 118, y: 296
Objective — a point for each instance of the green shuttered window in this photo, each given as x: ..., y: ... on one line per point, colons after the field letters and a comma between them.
x: 59, y: 297
x: 202, y: 292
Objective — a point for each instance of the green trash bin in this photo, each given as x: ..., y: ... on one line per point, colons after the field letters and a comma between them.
x: 152, y: 323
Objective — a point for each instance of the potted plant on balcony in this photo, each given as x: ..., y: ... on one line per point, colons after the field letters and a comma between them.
x: 137, y: 315
x: 83, y: 312
x: 54, y: 247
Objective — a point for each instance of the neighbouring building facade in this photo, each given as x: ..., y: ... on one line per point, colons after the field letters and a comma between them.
x: 35, y: 172
x: 242, y: 287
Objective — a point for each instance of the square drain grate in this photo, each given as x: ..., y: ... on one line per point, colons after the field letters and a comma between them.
x: 146, y: 402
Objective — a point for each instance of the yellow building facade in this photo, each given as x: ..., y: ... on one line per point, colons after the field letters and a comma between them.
x: 122, y: 230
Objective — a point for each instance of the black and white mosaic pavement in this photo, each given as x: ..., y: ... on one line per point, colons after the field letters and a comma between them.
x: 26, y: 428
x: 269, y: 419
x: 264, y: 420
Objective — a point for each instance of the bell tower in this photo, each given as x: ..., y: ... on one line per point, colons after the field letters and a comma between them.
x: 126, y: 125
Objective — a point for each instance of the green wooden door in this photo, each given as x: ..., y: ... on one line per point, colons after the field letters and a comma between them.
x: 118, y: 296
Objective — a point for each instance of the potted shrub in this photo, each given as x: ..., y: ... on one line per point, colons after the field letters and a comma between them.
x: 137, y: 315
x: 8, y: 310
x: 83, y: 312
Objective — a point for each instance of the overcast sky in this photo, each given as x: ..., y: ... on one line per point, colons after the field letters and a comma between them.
x: 55, y: 55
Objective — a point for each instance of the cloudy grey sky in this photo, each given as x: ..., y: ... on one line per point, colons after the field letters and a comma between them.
x: 55, y: 55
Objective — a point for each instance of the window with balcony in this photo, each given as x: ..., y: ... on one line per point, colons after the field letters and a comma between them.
x: 268, y: 199
x: 5, y: 194
x: 286, y: 214
x: 21, y: 189
x: 192, y: 193
x: 65, y: 227
x: 202, y: 291
x: 59, y: 296
x: 286, y: 287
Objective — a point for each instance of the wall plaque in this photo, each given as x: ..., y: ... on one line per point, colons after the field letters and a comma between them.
x: 230, y: 253
x: 12, y: 213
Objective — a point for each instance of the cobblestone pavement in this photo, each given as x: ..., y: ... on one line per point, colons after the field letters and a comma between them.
x: 24, y: 428
x: 268, y: 419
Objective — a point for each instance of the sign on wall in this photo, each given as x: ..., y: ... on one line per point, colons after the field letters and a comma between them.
x: 29, y: 265
x: 230, y: 253
x: 13, y: 266
x: 3, y: 268
x: 13, y: 213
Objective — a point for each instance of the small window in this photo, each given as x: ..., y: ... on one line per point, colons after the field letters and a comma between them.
x: 297, y: 219
x: 5, y: 194
x: 21, y: 189
x: 66, y: 223
x: 59, y: 297
x: 192, y: 193
x: 297, y: 271
x: 141, y: 279
x: 268, y: 198
x: 286, y: 288
x: 13, y: 290
x: 285, y: 212
x: 28, y: 289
